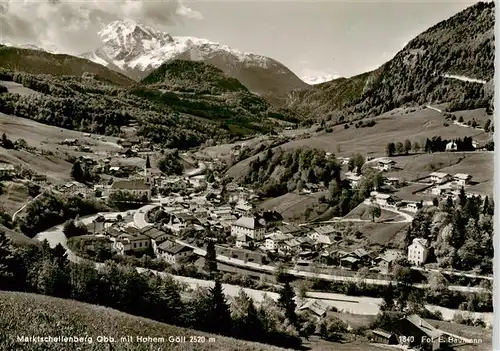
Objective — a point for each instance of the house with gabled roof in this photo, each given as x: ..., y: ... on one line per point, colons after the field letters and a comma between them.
x: 418, y: 251
x: 174, y: 253
x: 250, y: 226
x: 315, y: 307
x: 462, y: 179
x: 415, y: 332
x: 156, y: 235
x: 439, y: 177
x: 385, y: 164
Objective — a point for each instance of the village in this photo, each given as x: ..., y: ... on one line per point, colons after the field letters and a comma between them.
x: 191, y: 204
x: 172, y: 218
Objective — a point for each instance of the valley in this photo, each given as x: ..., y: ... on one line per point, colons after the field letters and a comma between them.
x: 162, y: 183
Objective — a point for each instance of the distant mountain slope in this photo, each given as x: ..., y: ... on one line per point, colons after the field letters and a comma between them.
x: 137, y: 49
x: 194, y: 77
x: 51, y: 316
x: 462, y: 45
x: 37, y: 61
x: 186, y: 104
x: 202, y: 90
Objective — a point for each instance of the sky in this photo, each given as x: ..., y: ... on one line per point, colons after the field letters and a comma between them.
x: 312, y: 38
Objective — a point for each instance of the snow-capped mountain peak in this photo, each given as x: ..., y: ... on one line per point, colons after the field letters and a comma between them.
x: 137, y: 49
x: 313, y: 80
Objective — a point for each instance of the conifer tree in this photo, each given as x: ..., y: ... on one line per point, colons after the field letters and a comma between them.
x: 210, y: 258
x: 220, y: 316
x: 286, y: 301
x: 5, y: 261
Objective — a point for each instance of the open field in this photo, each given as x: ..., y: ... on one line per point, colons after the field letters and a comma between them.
x: 483, y: 336
x: 415, y: 126
x: 292, y: 205
x: 383, y: 234
x: 363, y: 211
x: 18, y: 239
x: 478, y: 114
x: 479, y: 165
x: 413, y: 192
x: 412, y: 167
x: 16, y: 88
x: 48, y: 137
x: 56, y: 169
x: 354, y: 320
x: 53, y: 316
x: 393, y: 126
x: 14, y: 196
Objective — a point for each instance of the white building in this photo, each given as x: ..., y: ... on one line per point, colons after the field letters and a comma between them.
x: 276, y: 241
x: 385, y: 164
x: 418, y: 251
x: 6, y: 169
x: 451, y: 146
x: 127, y: 242
x: 353, y: 178
x: 462, y: 179
x: 249, y: 226
x: 382, y: 199
x: 439, y: 177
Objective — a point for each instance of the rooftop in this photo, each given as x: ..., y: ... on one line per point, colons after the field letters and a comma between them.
x: 248, y: 222
x: 439, y: 174
x: 173, y: 248
x: 462, y: 176
x: 133, y: 184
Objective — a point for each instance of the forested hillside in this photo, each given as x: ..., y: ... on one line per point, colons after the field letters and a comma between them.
x: 41, y: 62
x: 462, y: 45
x: 193, y: 104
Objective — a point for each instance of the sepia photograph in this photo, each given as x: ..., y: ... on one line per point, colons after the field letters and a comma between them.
x: 243, y: 175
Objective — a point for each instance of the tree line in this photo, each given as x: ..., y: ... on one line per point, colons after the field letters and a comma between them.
x: 44, y: 270
x: 431, y: 145
x: 463, y: 239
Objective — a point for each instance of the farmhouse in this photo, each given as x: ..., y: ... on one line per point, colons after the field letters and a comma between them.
x: 174, y: 253
x: 243, y: 241
x: 462, y: 179
x: 70, y: 142
x: 387, y: 259
x: 383, y: 337
x: 6, y: 169
x: 382, y: 199
x: 418, y: 332
x: 250, y: 226
x: 350, y: 263
x: 418, y: 251
x: 385, y: 164
x: 243, y: 208
x: 439, y: 177
x: 353, y: 178
x: 314, y: 307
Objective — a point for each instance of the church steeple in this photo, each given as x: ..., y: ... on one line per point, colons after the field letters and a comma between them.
x: 147, y: 171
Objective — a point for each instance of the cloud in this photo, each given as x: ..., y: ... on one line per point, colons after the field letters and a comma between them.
x: 73, y: 25
x: 188, y: 12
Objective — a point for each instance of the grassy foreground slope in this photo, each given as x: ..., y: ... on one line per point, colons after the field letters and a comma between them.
x: 23, y: 314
